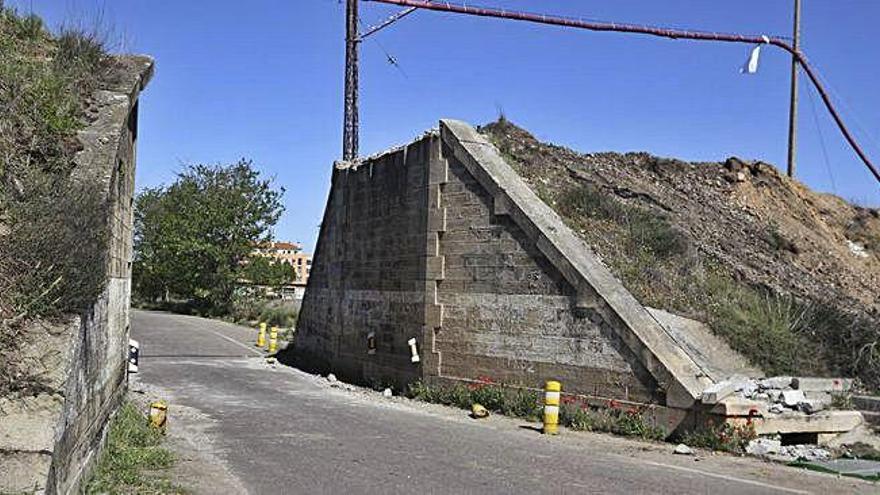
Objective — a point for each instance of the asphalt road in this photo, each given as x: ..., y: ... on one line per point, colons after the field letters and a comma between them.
x: 257, y: 429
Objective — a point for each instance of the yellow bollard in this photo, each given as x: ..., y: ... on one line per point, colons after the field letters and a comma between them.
x: 158, y: 415
x: 261, y: 337
x: 551, y: 407
x: 273, y: 340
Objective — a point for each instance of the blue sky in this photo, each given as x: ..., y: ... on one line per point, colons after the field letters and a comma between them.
x: 263, y: 79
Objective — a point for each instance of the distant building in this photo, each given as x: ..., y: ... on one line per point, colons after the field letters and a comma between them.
x: 289, y: 253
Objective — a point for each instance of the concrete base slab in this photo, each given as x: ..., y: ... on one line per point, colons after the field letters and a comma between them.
x: 822, y: 422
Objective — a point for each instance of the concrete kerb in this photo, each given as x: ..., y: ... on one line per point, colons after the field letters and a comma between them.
x: 675, y: 371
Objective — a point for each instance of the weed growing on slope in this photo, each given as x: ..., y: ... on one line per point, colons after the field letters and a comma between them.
x: 52, y: 230
x: 647, y: 230
x: 132, y: 457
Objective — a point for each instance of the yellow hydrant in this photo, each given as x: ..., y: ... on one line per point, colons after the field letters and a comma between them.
x: 273, y: 340
x: 551, y: 407
x: 261, y: 336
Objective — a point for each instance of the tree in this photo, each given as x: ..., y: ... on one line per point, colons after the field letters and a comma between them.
x: 192, y: 239
x: 261, y: 270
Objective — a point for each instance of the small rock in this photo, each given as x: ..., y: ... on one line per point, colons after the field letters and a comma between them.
x: 682, y: 449
x: 387, y: 393
x: 332, y: 378
x: 763, y: 446
x: 777, y: 408
x: 792, y: 398
x: 776, y: 382
x: 856, y: 249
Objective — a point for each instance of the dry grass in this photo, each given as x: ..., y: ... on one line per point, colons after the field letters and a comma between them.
x: 51, y: 229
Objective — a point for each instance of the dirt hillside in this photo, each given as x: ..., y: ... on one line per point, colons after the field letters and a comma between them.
x: 781, y: 271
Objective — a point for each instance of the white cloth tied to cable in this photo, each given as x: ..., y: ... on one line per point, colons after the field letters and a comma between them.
x: 751, y: 65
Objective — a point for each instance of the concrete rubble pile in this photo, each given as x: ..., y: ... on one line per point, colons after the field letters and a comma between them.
x: 781, y: 394
x: 773, y: 449
x: 783, y: 405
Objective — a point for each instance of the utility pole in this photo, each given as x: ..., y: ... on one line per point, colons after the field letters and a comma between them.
x: 350, y: 125
x: 793, y: 109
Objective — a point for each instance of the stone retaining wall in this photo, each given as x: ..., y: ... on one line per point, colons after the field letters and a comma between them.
x: 441, y: 241
x: 50, y: 441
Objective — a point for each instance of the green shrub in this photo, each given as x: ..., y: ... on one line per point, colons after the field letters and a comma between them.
x: 449, y: 395
x: 646, y: 230
x: 80, y: 50
x: 721, y: 436
x: 577, y: 417
x: 770, y: 330
x: 280, y: 316
x: 491, y: 397
x: 131, y: 457
x: 522, y: 403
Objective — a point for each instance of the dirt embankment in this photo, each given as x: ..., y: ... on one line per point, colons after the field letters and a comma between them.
x: 736, y: 244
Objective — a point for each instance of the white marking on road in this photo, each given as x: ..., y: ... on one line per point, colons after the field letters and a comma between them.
x: 728, y: 478
x: 251, y: 349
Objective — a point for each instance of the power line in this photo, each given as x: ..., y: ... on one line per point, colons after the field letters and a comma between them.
x: 652, y: 31
x: 821, y: 140
x: 387, y: 22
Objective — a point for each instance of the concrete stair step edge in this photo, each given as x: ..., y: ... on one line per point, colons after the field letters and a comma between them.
x: 869, y: 403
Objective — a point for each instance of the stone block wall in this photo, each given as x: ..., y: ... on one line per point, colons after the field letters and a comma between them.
x: 368, y: 272
x: 441, y: 241
x: 508, y: 314
x: 49, y: 442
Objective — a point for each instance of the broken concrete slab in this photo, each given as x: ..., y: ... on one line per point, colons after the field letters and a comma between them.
x: 798, y: 422
x: 775, y: 382
x: 739, y: 406
x: 792, y: 398
x: 718, y: 391
x: 821, y: 384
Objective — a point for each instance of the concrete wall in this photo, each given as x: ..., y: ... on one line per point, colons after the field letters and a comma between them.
x: 441, y: 241
x: 509, y: 314
x: 369, y: 268
x: 50, y: 441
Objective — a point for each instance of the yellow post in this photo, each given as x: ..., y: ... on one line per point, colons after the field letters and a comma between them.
x: 273, y: 339
x: 551, y: 407
x: 158, y: 415
x: 261, y: 337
